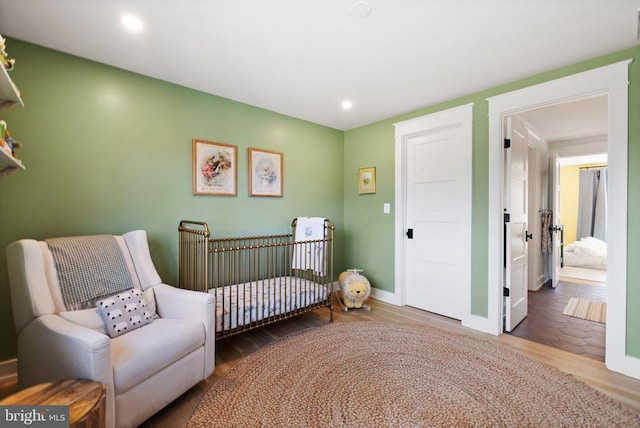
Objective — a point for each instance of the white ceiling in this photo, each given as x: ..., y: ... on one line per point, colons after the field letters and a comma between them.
x: 570, y: 121
x: 584, y: 160
x: 302, y: 58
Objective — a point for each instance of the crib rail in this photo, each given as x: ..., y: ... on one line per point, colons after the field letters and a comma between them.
x: 193, y: 267
x: 257, y: 280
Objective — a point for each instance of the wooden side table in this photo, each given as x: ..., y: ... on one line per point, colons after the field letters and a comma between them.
x: 85, y: 398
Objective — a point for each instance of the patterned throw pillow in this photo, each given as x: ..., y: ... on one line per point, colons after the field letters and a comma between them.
x: 124, y: 312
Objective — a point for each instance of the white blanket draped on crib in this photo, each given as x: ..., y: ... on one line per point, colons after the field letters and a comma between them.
x: 309, y: 256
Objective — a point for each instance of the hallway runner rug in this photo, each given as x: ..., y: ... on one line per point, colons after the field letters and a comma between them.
x: 383, y: 374
x: 586, y: 309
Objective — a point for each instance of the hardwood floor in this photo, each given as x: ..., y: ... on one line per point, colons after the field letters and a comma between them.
x: 231, y: 351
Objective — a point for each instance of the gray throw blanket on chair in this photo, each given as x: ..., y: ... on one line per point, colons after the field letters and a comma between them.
x: 89, y: 268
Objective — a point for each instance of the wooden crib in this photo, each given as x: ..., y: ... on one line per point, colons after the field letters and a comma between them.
x: 257, y: 280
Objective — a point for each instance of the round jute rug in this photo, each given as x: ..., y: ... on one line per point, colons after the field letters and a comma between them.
x: 366, y: 374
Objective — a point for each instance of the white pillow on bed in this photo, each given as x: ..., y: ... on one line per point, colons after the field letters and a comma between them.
x: 597, y: 243
x: 590, y: 247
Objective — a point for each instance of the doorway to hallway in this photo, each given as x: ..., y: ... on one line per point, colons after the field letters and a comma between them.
x: 547, y: 325
x: 612, y: 81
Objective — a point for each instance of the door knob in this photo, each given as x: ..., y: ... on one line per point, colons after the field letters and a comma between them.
x: 528, y: 236
x: 410, y: 233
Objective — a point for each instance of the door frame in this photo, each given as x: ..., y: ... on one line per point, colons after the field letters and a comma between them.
x: 461, y: 115
x: 535, y: 196
x: 557, y: 236
x: 611, y: 80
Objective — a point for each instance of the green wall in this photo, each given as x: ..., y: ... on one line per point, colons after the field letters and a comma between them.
x: 372, y: 248
x: 108, y: 151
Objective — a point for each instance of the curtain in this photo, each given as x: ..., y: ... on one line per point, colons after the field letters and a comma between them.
x: 592, y: 204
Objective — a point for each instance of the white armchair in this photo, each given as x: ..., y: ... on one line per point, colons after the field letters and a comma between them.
x: 142, y: 370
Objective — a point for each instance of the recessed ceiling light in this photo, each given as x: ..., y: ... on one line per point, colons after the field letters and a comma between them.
x: 346, y: 105
x: 132, y: 23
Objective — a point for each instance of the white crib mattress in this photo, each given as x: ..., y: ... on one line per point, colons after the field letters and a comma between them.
x: 240, y: 304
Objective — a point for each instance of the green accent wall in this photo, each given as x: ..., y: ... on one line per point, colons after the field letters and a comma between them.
x: 108, y: 151
x: 372, y: 246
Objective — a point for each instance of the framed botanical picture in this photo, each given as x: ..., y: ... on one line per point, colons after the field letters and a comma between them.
x: 367, y: 180
x: 265, y: 173
x: 215, y: 168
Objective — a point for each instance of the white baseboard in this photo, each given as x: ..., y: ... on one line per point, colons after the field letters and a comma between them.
x: 479, y: 323
x: 385, y: 296
x: 540, y: 282
x: 377, y: 294
x: 8, y: 370
x: 537, y: 287
x: 627, y: 365
x: 471, y: 321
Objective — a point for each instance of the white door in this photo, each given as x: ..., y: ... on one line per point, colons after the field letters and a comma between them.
x: 438, y: 219
x: 516, y: 201
x: 557, y: 229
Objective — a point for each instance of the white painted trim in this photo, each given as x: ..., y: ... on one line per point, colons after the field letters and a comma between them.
x: 461, y: 115
x: 577, y: 86
x: 541, y: 280
x: 399, y: 228
x: 8, y: 370
x: 627, y: 365
x: 616, y: 345
x: 385, y: 296
x: 477, y: 322
x: 611, y: 80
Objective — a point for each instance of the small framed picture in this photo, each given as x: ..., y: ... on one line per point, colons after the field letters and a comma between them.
x: 214, y: 169
x: 265, y: 173
x: 367, y: 180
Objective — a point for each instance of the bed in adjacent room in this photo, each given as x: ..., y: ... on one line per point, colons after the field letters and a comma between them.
x: 588, y: 252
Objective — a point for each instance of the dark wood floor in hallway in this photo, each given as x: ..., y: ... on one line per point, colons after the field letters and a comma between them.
x: 545, y: 323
